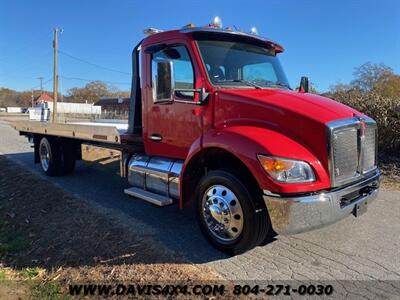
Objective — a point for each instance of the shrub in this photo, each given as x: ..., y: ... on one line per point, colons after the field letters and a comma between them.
x: 384, y: 110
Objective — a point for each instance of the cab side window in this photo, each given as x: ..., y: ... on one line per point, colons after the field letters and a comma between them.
x: 183, y: 72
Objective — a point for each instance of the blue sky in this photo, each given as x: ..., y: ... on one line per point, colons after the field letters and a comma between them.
x: 324, y: 40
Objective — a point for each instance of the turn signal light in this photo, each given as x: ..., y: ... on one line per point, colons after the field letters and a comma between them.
x: 271, y: 164
x: 287, y: 170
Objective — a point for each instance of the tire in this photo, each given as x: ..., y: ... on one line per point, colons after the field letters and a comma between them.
x: 50, y: 156
x: 57, y: 157
x: 225, y: 200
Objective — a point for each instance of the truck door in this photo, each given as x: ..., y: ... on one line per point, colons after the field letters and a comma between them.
x: 172, y: 127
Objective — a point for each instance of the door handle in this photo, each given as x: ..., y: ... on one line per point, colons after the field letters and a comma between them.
x: 156, y: 137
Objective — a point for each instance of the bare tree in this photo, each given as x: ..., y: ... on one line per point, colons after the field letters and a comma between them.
x: 92, y: 91
x: 368, y: 74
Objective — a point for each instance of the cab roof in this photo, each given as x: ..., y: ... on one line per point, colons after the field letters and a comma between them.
x: 190, y: 31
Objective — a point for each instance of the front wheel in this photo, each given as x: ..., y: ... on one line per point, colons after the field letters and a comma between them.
x: 228, y: 214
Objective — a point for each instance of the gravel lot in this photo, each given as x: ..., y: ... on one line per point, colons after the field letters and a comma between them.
x: 366, y: 248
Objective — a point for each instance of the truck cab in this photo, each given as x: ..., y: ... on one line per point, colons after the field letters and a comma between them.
x: 222, y: 131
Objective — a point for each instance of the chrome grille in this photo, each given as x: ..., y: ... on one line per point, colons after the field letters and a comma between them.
x: 345, y: 153
x: 369, y: 151
x: 352, y: 149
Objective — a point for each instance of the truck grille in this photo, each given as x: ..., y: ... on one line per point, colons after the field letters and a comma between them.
x: 352, y: 149
x: 369, y: 154
x: 345, y: 153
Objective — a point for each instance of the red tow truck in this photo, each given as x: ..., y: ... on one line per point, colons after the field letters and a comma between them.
x: 214, y: 124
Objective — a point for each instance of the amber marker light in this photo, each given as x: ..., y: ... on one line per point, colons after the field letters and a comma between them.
x: 271, y: 164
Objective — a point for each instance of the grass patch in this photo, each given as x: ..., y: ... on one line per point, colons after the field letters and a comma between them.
x: 3, y: 276
x: 49, y: 291
x: 12, y: 240
x: 31, y: 282
x: 30, y: 273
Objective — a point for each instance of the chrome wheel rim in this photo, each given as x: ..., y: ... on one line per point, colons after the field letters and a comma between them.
x: 222, y: 213
x: 44, y: 157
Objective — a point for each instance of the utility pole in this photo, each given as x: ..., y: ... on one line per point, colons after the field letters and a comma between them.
x: 41, y: 84
x: 55, y: 75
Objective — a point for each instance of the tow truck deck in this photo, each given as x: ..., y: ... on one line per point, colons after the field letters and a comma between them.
x: 111, y: 134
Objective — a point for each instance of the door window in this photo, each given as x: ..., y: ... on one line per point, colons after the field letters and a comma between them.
x: 183, y: 74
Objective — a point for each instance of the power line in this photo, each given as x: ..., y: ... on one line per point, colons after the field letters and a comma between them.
x: 41, y: 87
x: 32, y: 62
x: 42, y: 84
x: 16, y: 76
x: 90, y: 80
x: 26, y: 47
x: 93, y: 64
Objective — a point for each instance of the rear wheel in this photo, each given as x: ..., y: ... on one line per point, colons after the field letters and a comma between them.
x: 228, y: 214
x: 50, y: 157
x: 56, y: 157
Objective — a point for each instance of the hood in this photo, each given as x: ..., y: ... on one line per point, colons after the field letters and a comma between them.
x: 299, y: 116
x: 311, y: 106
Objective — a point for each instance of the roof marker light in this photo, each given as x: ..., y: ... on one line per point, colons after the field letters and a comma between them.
x: 151, y: 31
x: 190, y: 25
x: 254, y: 30
x: 217, y: 22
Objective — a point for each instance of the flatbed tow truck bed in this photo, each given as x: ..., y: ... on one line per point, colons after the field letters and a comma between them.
x: 108, y: 134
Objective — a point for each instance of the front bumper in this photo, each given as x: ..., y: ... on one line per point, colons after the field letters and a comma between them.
x: 290, y: 215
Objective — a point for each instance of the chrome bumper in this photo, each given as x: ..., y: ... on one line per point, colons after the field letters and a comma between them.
x: 290, y: 215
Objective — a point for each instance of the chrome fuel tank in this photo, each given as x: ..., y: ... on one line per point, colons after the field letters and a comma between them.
x: 155, y: 174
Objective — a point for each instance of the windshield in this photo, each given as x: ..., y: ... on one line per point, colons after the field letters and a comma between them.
x: 231, y: 63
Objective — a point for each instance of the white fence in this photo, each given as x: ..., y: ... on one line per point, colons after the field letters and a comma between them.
x: 14, y: 110
x: 76, y: 108
x: 64, y: 110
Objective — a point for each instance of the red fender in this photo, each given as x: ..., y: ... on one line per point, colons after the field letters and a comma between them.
x: 245, y: 142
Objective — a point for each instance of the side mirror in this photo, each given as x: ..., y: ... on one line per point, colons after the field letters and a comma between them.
x: 304, y: 85
x: 163, y: 81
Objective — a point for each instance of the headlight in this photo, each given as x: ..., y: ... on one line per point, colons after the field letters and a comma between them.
x: 287, y: 170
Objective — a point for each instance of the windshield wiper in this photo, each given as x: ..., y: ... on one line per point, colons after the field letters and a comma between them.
x: 246, y: 82
x: 277, y: 84
x: 283, y: 84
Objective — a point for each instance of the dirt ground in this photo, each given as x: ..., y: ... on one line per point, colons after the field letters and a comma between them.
x: 50, y: 237
x: 390, y: 168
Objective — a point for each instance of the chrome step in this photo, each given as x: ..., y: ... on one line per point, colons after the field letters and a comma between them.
x: 153, y: 198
